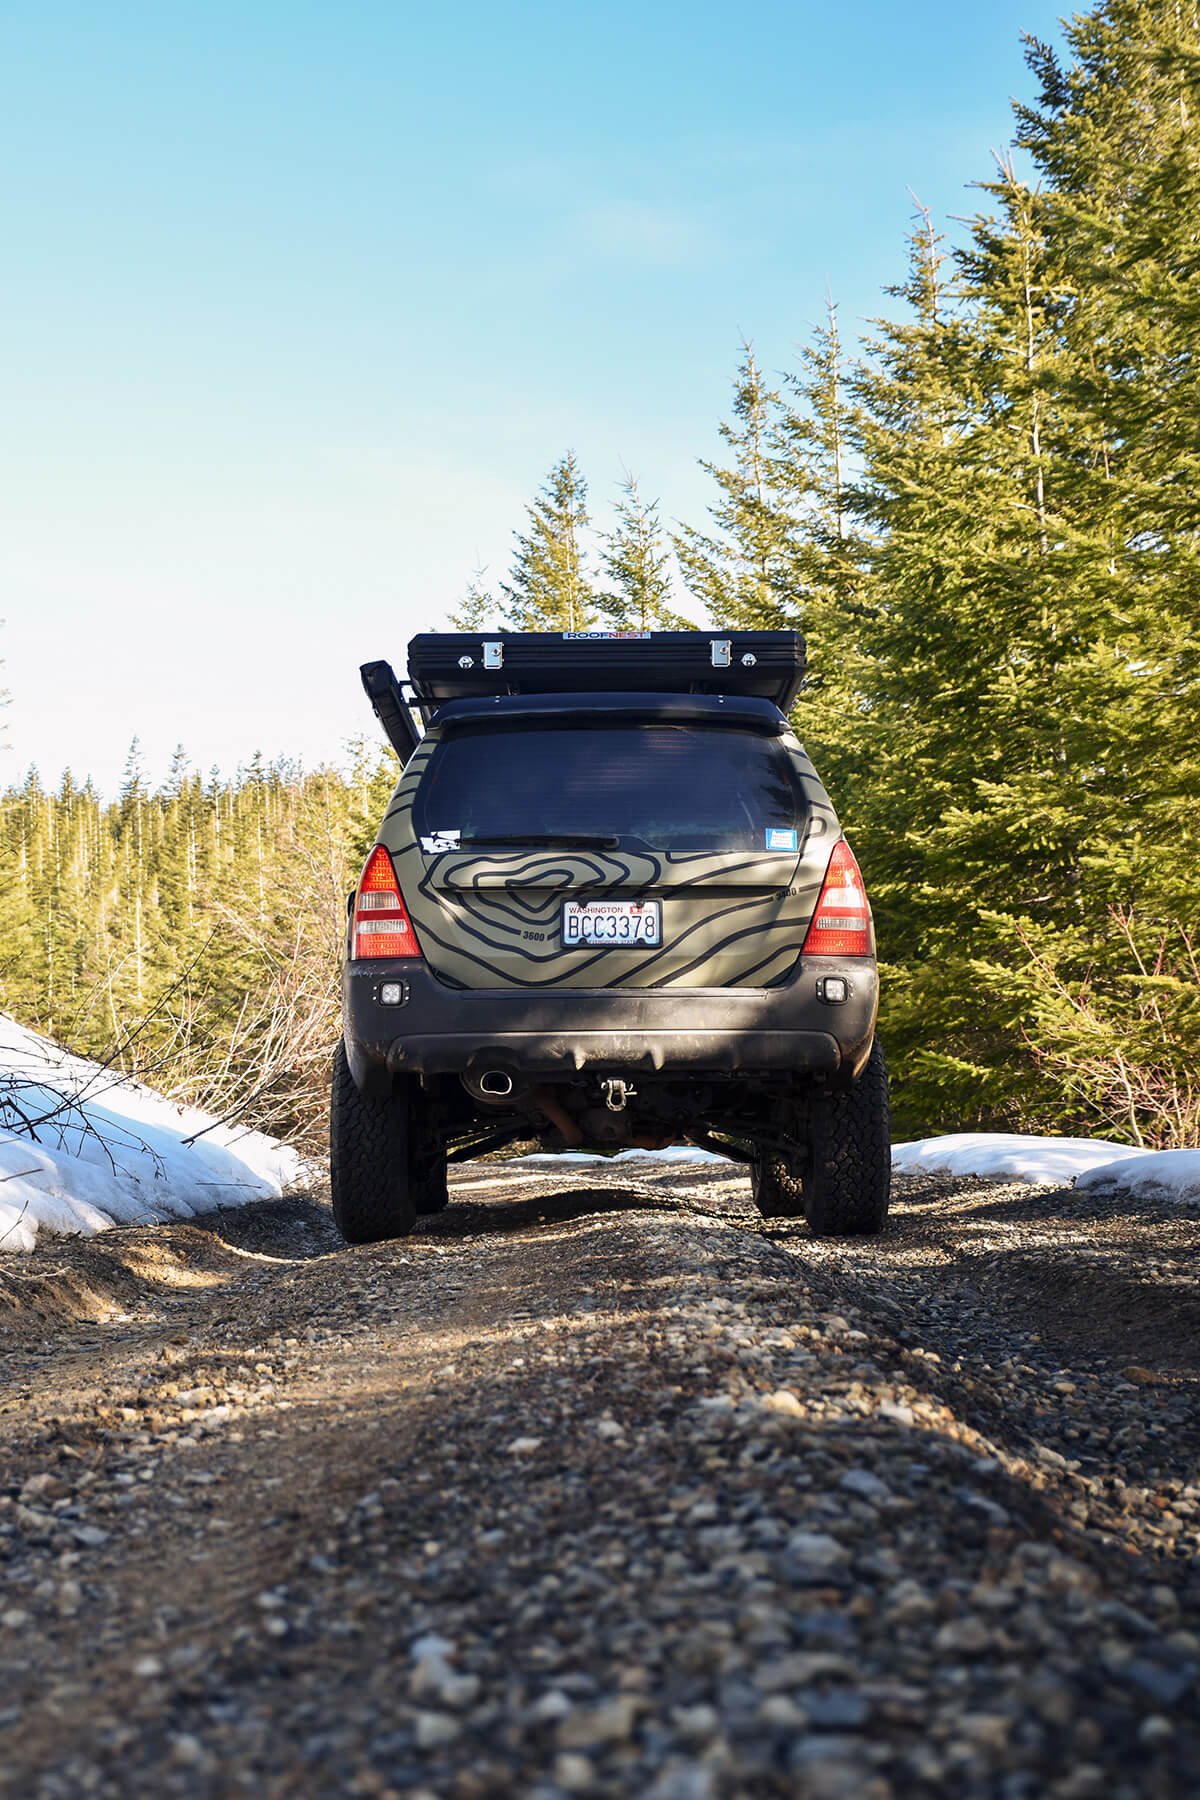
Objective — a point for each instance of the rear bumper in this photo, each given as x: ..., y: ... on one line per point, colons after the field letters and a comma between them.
x: 561, y: 1032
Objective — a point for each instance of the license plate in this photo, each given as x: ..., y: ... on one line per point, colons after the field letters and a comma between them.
x: 613, y: 923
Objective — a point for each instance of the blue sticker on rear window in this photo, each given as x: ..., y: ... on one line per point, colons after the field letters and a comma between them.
x: 781, y: 838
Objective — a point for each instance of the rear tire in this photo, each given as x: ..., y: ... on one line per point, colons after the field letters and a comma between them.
x: 848, y: 1184
x: 380, y: 1162
x: 430, y: 1193
x: 778, y: 1192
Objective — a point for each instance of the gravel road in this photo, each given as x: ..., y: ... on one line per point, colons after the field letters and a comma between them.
x: 599, y: 1485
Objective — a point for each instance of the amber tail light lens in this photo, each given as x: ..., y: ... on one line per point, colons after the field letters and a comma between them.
x: 841, y: 925
x: 381, y: 926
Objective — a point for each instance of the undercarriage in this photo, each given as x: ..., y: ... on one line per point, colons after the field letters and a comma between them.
x: 738, y: 1116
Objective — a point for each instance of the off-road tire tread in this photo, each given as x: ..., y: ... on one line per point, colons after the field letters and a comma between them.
x: 778, y: 1193
x: 368, y: 1161
x: 848, y: 1183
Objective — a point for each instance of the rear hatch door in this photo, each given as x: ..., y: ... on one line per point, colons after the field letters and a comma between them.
x: 592, y: 851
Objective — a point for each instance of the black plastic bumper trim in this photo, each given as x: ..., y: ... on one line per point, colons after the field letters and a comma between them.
x: 565, y: 1031
x: 546, y: 1053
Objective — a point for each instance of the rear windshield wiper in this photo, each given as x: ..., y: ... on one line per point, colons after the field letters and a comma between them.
x: 570, y: 840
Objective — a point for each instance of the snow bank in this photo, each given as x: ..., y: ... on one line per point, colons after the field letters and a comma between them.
x: 1036, y: 1159
x: 1150, y: 1175
x: 679, y: 1153
x: 83, y: 1149
x: 1088, y: 1163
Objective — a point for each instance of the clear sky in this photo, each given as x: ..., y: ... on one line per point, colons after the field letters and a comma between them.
x: 301, y: 301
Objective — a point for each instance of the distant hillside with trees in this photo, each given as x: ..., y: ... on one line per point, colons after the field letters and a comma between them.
x: 190, y: 935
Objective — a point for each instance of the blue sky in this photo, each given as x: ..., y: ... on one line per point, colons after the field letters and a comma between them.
x: 301, y: 302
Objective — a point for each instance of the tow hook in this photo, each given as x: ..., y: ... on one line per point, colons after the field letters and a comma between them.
x: 616, y: 1094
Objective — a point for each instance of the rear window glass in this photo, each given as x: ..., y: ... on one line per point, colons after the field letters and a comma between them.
x: 658, y: 787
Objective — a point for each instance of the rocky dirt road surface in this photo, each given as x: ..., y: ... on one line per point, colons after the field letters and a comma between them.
x: 601, y: 1485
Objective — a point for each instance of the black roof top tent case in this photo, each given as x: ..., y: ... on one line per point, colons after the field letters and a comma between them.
x: 457, y: 665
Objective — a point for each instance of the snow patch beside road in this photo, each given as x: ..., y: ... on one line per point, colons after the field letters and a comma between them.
x: 1087, y: 1163
x: 1150, y: 1175
x: 83, y: 1149
x: 678, y: 1153
x: 1058, y: 1160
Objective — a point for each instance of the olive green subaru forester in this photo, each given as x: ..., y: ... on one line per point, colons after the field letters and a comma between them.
x: 610, y: 906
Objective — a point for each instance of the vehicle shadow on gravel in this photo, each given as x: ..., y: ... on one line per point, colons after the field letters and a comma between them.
x: 297, y: 1227
x: 988, y: 1338
x: 558, y: 1206
x: 1112, y: 1308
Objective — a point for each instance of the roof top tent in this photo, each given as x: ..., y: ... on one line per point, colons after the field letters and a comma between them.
x: 442, y: 666
x: 453, y: 666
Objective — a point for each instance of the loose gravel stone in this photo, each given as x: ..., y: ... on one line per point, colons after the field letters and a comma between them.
x: 600, y: 1484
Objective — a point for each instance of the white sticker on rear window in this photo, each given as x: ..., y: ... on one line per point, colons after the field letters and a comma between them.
x: 780, y: 837
x: 440, y: 841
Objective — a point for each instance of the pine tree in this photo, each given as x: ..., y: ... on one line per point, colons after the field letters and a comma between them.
x: 548, y: 589
x: 478, y: 610
x: 636, y: 558
x: 1036, y: 778
x: 1117, y: 135
x: 812, y: 441
x: 21, y: 943
x: 179, y: 773
x: 745, y: 573
x: 961, y: 685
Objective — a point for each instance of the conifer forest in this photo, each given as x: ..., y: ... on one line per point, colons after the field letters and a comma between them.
x: 985, y: 517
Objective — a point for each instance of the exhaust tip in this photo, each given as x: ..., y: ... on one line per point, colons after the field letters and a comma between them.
x: 495, y: 1081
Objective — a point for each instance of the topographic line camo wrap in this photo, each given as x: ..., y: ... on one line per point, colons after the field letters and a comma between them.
x: 492, y: 919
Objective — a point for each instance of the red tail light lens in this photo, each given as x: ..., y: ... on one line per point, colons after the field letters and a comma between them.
x: 841, y: 925
x: 382, y: 926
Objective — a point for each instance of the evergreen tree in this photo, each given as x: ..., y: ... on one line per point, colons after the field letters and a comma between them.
x: 971, y: 645
x: 478, y: 611
x: 186, y: 927
x: 636, y: 559
x: 790, y: 550
x: 1036, y: 777
x: 548, y: 589
x: 1116, y: 133
x: 812, y: 443
x: 179, y: 773
x: 745, y: 573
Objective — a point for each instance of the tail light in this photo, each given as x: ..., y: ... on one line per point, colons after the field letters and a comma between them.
x: 841, y: 925
x: 381, y: 926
